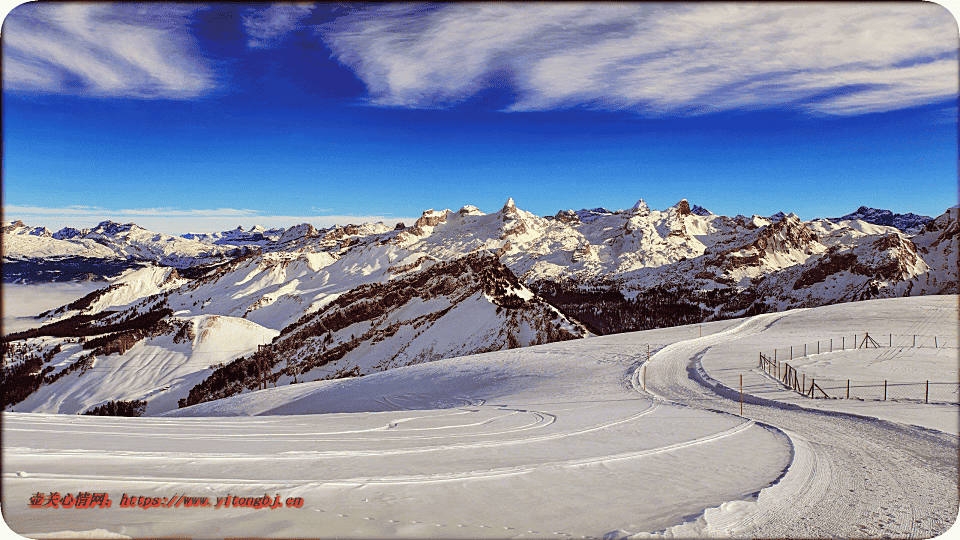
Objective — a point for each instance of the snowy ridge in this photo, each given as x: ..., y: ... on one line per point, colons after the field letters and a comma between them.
x: 560, y: 276
x: 908, y: 223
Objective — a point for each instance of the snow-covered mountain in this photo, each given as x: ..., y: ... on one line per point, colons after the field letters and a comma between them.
x: 908, y: 223
x: 363, y: 298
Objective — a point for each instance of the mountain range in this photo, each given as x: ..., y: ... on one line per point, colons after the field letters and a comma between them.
x: 188, y: 315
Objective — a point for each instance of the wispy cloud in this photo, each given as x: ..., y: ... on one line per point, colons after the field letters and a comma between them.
x: 178, y: 221
x: 104, y: 49
x: 839, y: 59
x: 267, y: 27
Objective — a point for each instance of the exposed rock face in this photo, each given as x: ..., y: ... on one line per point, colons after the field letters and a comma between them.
x: 908, y: 222
x: 567, y: 216
x: 430, y: 218
x: 298, y: 232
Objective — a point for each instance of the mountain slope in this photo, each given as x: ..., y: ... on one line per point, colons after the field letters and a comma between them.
x: 465, y: 306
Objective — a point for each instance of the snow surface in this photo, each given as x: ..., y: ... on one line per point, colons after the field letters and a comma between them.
x: 570, y: 439
x: 157, y: 368
x: 925, y: 316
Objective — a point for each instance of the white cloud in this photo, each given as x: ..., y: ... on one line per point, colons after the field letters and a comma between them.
x: 104, y: 49
x: 655, y: 58
x: 176, y: 221
x: 268, y: 26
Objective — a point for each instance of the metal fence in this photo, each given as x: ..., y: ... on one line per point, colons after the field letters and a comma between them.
x: 776, y: 363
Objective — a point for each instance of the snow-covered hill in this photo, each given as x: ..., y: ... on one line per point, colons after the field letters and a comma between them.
x: 422, y: 292
x: 464, y: 306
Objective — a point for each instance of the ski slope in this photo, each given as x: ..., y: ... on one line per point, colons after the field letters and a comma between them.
x: 585, y: 438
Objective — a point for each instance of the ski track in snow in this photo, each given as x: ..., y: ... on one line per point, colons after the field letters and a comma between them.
x: 661, y: 454
x: 850, y: 476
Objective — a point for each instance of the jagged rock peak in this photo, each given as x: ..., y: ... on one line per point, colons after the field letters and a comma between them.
x: 430, y: 218
x: 640, y: 208
x: 400, y: 226
x: 700, y: 211
x: 67, y: 232
x: 509, y: 207
x: 299, y: 231
x: 682, y: 207
x: 470, y: 210
x: 112, y: 227
x: 567, y: 216
x: 876, y: 216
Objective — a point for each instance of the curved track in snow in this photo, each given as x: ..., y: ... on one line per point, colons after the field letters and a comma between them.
x: 850, y: 476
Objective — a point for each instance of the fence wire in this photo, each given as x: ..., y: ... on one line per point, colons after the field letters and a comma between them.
x: 777, y: 364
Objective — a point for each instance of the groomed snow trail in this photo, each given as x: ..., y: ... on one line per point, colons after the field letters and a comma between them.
x: 850, y: 477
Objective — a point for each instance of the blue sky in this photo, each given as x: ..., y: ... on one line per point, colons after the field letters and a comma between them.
x: 201, y: 117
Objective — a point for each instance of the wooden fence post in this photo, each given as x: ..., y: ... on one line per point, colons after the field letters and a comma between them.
x: 935, y: 346
x: 884, y: 389
x: 926, y: 397
x: 791, y: 353
x: 831, y: 344
x: 741, y: 394
x: 848, y: 388
x: 843, y: 343
x: 891, y: 341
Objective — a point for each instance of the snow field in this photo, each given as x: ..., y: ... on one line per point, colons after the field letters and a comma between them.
x: 850, y: 476
x: 926, y: 315
x: 549, y: 439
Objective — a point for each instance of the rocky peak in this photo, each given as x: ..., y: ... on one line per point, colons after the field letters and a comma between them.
x: 470, y: 210
x: 700, y: 211
x: 430, y: 218
x: 509, y: 207
x: 10, y: 227
x: 67, y: 232
x: 304, y: 230
x: 112, y: 227
x: 682, y: 207
x: 567, y: 216
x: 905, y: 222
x: 640, y: 209
x: 788, y: 233
x: 587, y: 216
